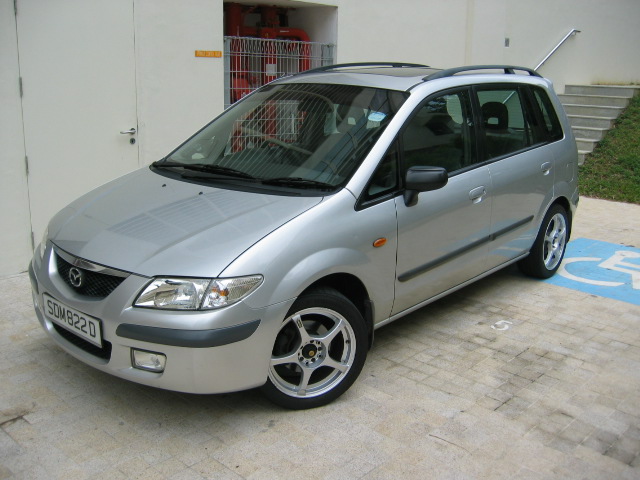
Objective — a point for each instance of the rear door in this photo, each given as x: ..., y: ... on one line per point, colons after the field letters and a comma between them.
x: 521, y: 168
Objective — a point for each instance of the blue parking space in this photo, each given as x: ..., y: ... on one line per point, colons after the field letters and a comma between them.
x: 601, y: 268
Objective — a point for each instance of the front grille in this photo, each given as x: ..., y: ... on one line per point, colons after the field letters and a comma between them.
x: 94, y: 284
x: 90, y: 348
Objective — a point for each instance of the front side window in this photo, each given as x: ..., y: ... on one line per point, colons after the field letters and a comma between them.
x: 292, y: 135
x: 505, y: 126
x: 439, y: 134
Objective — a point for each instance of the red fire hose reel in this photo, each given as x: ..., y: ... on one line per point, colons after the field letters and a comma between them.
x: 273, y: 26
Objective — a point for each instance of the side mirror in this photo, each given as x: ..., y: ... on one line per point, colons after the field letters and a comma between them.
x: 423, y: 179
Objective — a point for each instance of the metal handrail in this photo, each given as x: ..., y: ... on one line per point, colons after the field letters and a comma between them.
x: 571, y: 33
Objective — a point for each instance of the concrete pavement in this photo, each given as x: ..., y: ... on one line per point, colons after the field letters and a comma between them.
x: 508, y: 378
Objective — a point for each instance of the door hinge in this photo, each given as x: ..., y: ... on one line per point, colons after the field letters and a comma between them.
x: 15, y: 7
x: 33, y: 241
x: 20, y: 86
x: 26, y: 165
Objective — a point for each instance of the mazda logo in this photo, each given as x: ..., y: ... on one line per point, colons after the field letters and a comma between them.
x: 76, y: 277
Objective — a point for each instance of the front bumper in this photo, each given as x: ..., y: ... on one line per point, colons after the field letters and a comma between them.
x: 207, y: 352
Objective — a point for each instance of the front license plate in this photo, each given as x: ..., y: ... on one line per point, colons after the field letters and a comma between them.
x: 77, y: 322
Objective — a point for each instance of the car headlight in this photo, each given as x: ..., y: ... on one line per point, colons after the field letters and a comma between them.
x: 196, y: 293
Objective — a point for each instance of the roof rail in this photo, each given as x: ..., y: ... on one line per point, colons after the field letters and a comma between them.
x: 364, y: 64
x: 508, y: 70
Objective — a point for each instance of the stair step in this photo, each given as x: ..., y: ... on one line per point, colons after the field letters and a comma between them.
x: 589, y: 133
x: 605, y: 90
x: 593, y: 110
x: 582, y: 155
x: 586, y: 144
x: 594, y: 100
x: 589, y: 121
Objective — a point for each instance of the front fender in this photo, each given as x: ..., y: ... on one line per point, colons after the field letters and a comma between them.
x: 319, y: 265
x: 331, y: 238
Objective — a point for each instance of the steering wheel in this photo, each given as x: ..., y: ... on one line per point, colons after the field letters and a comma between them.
x: 277, y: 141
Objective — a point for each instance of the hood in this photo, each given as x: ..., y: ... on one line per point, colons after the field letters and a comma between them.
x: 152, y: 225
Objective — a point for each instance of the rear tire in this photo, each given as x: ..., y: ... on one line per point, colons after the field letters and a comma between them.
x: 318, y: 352
x: 550, y: 244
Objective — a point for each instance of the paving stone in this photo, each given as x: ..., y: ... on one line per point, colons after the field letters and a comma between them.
x: 577, y: 431
x: 442, y: 395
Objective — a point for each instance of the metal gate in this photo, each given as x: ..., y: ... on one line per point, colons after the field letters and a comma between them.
x: 250, y: 62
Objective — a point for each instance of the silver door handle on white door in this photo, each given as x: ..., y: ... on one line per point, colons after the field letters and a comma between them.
x: 131, y: 131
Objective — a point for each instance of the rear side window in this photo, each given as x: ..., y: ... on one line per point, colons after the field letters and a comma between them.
x: 550, y: 122
x: 506, y: 128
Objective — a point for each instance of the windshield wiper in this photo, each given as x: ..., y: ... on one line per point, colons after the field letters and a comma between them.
x: 298, y: 182
x: 206, y: 168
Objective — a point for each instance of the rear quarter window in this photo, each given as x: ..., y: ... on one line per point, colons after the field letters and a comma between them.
x: 551, y: 124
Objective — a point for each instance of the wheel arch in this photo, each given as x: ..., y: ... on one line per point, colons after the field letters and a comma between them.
x: 564, y: 203
x: 351, y: 287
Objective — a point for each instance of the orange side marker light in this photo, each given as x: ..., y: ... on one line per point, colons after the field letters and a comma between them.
x: 380, y: 242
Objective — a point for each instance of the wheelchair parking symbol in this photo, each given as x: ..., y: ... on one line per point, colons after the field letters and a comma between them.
x: 601, y: 268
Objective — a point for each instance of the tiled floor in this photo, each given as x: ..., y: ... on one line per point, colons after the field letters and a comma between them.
x: 508, y: 378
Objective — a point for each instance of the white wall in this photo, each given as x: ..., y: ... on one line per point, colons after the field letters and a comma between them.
x: 177, y: 92
x: 15, y: 229
x: 485, y: 36
x: 458, y: 32
x: 606, y: 50
x: 430, y: 32
x: 320, y: 23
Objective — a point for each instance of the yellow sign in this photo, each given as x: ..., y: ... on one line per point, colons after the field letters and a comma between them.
x: 209, y: 53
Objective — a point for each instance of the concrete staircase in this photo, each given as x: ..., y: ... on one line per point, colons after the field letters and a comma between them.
x: 592, y: 110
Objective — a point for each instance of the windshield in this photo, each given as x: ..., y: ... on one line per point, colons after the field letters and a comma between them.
x: 293, y: 135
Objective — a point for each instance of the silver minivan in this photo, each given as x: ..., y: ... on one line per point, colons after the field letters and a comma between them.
x: 266, y: 249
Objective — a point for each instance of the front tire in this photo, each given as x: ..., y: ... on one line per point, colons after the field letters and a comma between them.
x: 319, y: 351
x: 550, y: 244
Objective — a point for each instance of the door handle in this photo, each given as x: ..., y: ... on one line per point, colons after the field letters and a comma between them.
x: 131, y: 131
x: 546, y: 168
x: 477, y: 194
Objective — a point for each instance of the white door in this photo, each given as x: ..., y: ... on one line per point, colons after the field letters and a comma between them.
x: 77, y: 64
x: 15, y: 224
